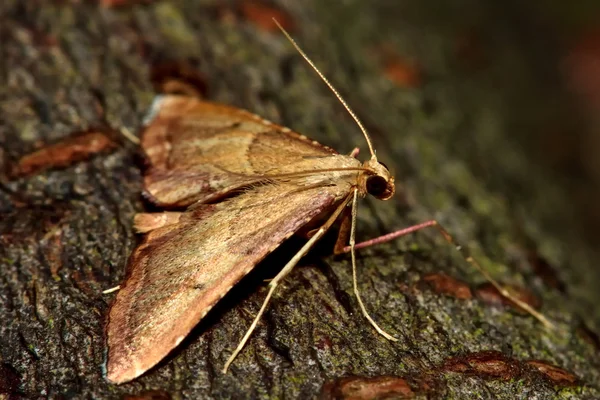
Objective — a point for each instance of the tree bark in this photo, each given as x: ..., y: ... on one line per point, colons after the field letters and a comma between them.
x: 70, y: 69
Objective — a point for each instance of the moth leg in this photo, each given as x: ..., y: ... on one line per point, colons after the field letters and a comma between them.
x: 286, y: 270
x: 146, y: 222
x: 468, y: 258
x: 355, y: 284
x: 343, y: 233
x: 112, y: 289
x: 354, y: 152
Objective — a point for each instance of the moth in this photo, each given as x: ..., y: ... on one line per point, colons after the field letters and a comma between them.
x: 245, y: 185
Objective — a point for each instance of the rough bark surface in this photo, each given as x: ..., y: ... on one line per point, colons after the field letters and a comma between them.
x: 67, y: 68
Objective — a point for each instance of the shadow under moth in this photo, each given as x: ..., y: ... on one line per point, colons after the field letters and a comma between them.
x: 246, y: 185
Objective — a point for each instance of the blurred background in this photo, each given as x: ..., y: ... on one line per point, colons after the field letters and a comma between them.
x: 513, y: 89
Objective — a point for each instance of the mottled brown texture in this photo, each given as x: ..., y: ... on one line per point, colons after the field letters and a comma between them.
x: 494, y: 365
x: 362, y: 388
x: 447, y: 285
x: 556, y: 375
x: 485, y: 364
x: 63, y: 153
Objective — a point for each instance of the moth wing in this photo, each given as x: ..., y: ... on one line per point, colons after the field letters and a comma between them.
x: 181, y: 270
x: 199, y: 150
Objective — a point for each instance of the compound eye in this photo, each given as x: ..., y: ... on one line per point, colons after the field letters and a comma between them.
x: 376, y: 185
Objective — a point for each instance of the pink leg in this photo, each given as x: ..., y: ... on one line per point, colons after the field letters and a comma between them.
x: 354, y: 153
x: 393, y: 235
x: 397, y: 234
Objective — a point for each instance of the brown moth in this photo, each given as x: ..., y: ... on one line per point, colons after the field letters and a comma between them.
x: 246, y: 185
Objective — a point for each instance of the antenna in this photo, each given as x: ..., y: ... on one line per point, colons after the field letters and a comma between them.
x: 346, y: 106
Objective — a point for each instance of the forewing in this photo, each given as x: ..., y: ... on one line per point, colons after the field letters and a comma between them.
x: 199, y: 150
x: 181, y: 270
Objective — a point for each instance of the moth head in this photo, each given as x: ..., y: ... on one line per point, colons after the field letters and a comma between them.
x: 377, y: 180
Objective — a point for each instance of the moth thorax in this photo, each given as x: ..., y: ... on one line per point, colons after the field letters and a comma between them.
x: 377, y: 180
